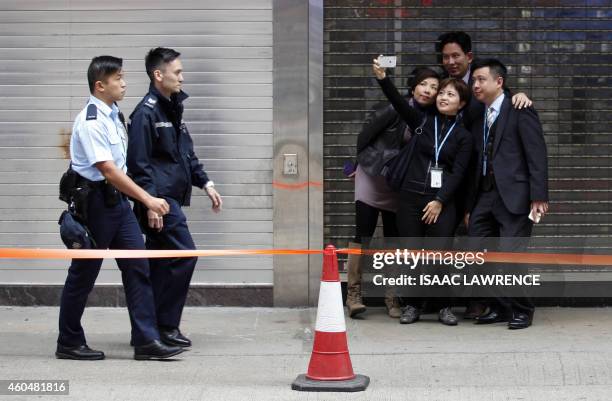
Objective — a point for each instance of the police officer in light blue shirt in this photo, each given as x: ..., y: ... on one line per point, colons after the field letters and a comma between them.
x: 98, y: 135
x: 98, y: 149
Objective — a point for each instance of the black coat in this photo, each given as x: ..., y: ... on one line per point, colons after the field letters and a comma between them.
x: 383, y: 118
x: 519, y: 158
x: 381, y: 138
x: 160, y: 156
x: 454, y: 157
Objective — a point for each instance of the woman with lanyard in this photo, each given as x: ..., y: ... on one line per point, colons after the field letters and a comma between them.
x: 372, y: 195
x: 439, y: 160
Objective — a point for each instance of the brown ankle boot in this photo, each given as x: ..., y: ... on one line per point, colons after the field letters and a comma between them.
x: 354, y: 302
x: 392, y: 303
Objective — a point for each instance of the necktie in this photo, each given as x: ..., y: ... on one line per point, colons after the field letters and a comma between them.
x: 490, y: 116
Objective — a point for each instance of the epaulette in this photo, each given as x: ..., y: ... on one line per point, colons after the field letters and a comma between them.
x: 92, y: 112
x: 150, y: 102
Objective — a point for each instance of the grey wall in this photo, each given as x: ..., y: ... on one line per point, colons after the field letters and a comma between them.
x: 45, y: 47
x: 298, y: 116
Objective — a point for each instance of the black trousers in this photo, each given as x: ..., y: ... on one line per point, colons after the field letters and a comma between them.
x: 366, y: 218
x: 410, y: 225
x: 171, y: 276
x: 491, y: 218
x: 116, y: 228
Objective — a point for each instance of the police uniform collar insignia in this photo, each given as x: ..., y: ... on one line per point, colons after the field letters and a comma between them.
x: 92, y: 112
x: 150, y: 102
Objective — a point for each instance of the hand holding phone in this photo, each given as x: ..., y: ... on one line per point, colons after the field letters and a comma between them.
x: 538, y: 210
x: 387, y: 61
x: 535, y: 216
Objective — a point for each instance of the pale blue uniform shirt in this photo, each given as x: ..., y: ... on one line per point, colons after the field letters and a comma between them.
x: 97, y: 140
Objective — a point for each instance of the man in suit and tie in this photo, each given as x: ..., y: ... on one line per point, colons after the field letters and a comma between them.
x: 510, y: 178
x: 455, y: 54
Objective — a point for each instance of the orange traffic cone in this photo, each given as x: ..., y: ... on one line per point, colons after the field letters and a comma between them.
x: 330, y: 367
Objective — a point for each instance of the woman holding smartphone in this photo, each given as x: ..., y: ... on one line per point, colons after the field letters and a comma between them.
x: 439, y: 160
x: 372, y: 195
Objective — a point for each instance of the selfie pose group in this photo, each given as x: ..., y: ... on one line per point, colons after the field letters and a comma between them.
x: 474, y: 156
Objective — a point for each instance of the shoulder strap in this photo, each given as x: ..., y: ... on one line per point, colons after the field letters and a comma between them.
x: 92, y: 112
x: 419, y: 129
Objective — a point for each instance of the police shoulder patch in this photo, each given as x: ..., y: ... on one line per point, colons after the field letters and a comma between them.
x: 150, y: 102
x: 92, y: 112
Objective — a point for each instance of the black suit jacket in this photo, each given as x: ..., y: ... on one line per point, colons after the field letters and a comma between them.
x: 519, y: 160
x: 472, y: 112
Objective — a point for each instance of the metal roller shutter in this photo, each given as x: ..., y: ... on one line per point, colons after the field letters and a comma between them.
x: 558, y: 52
x: 45, y: 47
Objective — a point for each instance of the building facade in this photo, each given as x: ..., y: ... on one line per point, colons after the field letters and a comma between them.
x: 278, y: 80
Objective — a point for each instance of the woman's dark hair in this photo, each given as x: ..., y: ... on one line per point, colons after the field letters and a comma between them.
x: 102, y: 67
x: 419, y: 75
x: 460, y: 86
x: 158, y: 57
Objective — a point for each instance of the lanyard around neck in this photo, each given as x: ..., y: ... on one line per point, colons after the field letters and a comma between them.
x: 437, y: 148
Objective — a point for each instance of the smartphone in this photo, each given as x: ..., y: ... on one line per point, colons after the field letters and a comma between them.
x: 535, y: 217
x: 387, y: 61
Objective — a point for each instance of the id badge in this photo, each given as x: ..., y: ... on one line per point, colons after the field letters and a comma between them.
x: 436, y: 177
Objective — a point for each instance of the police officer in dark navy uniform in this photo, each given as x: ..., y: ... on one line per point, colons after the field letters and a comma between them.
x: 98, y: 153
x: 162, y: 161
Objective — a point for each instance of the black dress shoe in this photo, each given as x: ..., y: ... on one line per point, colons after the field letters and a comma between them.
x: 155, y: 350
x: 79, y: 352
x: 493, y: 316
x: 174, y: 337
x: 520, y: 320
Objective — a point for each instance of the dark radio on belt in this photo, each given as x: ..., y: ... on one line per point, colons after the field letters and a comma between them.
x: 75, y: 191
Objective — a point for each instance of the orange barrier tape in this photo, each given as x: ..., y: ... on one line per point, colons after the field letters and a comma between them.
x: 25, y: 253
x: 281, y: 185
x: 549, y: 258
x: 497, y: 257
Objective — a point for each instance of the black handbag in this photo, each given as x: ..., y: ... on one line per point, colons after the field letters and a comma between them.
x: 380, y: 139
x: 395, y: 170
x: 385, y: 147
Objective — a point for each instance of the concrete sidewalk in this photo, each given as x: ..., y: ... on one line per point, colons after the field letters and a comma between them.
x: 255, y: 354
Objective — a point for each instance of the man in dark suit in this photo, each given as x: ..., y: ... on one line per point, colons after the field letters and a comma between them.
x: 510, y: 178
x: 455, y: 54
